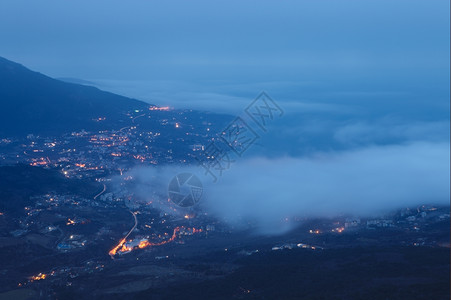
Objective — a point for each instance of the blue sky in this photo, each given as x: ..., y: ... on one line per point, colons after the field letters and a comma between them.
x: 210, y: 51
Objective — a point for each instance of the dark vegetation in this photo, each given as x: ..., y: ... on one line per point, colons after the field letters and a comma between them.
x: 19, y: 183
x: 353, y: 273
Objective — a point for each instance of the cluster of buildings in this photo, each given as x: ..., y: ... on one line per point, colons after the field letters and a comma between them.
x: 166, y: 139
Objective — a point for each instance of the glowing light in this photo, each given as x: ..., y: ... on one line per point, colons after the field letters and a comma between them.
x: 40, y: 276
x: 139, y: 157
x: 115, y: 249
x: 40, y: 162
x: 338, y: 229
x: 163, y: 108
x: 123, y: 248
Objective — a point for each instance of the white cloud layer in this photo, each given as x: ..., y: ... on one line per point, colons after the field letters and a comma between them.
x: 364, y: 182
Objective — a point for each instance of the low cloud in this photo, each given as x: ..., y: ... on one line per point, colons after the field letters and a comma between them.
x: 386, y: 130
x: 365, y: 182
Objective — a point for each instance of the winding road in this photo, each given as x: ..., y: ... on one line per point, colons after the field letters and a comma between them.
x: 124, y: 240
x: 103, y: 191
x: 134, y: 226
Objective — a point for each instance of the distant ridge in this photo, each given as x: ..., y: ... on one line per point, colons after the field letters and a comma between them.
x: 31, y: 102
x: 76, y: 81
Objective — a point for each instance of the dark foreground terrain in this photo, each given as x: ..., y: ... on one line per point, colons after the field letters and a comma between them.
x: 354, y: 273
x: 56, y: 235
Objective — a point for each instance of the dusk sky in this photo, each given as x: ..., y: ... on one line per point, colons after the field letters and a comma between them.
x: 205, y: 54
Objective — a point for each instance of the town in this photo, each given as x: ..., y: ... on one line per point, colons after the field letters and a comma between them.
x: 100, y: 227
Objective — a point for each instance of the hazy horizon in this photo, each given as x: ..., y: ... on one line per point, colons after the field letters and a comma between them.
x: 217, y: 56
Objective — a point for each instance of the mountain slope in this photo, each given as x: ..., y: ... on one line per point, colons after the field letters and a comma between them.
x: 31, y: 102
